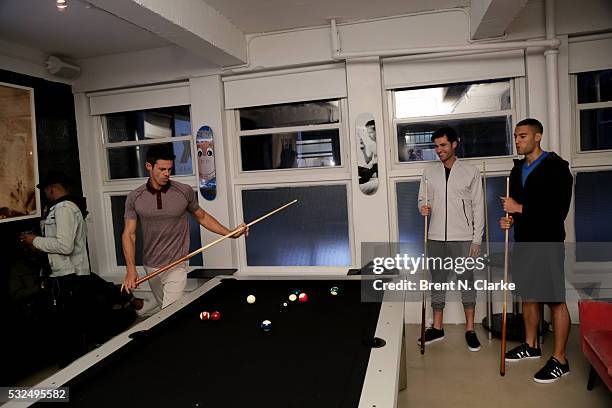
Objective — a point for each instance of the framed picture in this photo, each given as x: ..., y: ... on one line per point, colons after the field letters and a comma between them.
x: 19, y: 197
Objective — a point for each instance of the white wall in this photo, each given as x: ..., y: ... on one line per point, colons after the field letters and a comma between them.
x: 311, y: 47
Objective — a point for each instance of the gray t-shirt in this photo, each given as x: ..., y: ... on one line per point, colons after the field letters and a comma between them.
x: 163, y: 219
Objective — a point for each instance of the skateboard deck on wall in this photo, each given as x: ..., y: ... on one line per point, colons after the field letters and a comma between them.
x: 207, y: 175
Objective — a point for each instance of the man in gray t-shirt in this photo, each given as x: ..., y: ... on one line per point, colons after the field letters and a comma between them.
x: 162, y: 208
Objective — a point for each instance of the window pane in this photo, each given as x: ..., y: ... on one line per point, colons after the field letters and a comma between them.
x: 595, y: 86
x: 289, y: 150
x: 488, y: 96
x: 596, y: 129
x: 410, y: 221
x: 496, y: 188
x: 148, y: 124
x: 118, y: 209
x: 129, y: 162
x: 478, y: 137
x: 312, y: 232
x: 291, y: 114
x: 593, y: 218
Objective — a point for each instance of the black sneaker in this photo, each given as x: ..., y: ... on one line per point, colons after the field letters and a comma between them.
x: 552, y: 371
x: 472, y: 340
x: 524, y: 351
x: 432, y: 335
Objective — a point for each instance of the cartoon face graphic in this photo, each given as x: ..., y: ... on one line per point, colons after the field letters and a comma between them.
x: 206, y: 160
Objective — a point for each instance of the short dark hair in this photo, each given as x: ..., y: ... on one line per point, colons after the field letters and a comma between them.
x: 160, y: 152
x: 534, y: 123
x: 449, y: 132
x: 370, y: 123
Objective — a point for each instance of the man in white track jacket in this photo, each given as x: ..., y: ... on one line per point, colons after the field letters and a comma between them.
x: 456, y: 223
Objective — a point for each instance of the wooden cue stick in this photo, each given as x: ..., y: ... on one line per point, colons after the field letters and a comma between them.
x: 489, y: 294
x: 502, y: 363
x: 197, y: 251
x: 423, y: 300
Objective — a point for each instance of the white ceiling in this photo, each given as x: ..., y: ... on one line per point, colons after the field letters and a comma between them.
x: 79, y: 31
x: 256, y: 16
x: 83, y: 31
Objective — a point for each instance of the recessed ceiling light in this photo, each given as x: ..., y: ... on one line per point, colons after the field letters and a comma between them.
x: 61, y: 4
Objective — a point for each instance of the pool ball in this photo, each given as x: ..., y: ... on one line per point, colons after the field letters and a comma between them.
x: 293, y: 297
x: 204, y: 315
x: 266, y: 325
x: 215, y: 315
x: 296, y: 292
x: 303, y: 297
x: 334, y: 291
x: 250, y: 299
x: 284, y: 306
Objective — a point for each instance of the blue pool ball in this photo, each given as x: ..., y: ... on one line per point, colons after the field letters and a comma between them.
x: 334, y: 291
x: 296, y: 292
x: 266, y: 325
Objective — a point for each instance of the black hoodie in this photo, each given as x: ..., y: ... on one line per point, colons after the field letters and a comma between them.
x: 545, y: 198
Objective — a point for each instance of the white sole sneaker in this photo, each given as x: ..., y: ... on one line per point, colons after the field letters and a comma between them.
x: 512, y: 360
x: 473, y: 349
x: 552, y: 380
x: 430, y: 341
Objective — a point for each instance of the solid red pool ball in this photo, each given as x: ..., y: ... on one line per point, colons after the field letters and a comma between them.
x: 303, y: 297
x: 215, y: 315
x: 204, y: 315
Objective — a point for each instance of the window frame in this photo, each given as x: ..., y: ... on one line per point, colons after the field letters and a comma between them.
x: 587, y: 158
x: 299, y: 172
x: 115, y: 187
x: 518, y: 95
x: 106, y: 146
x: 295, y: 270
x: 293, y: 177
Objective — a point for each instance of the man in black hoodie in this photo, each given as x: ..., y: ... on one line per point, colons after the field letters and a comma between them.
x: 540, y: 196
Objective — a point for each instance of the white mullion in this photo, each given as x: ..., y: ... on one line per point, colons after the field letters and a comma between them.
x: 456, y: 116
x: 290, y: 129
x: 594, y: 105
x: 130, y: 143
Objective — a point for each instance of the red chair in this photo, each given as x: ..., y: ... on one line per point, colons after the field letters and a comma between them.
x: 596, y: 338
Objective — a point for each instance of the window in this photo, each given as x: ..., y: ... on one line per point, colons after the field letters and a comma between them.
x: 410, y: 221
x: 594, y: 106
x: 117, y: 212
x: 313, y: 233
x: 480, y: 112
x: 128, y: 135
x: 295, y: 135
x: 294, y: 151
x: 593, y: 218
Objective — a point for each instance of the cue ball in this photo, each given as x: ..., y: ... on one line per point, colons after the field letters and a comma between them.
x: 250, y: 299
x: 293, y: 297
x: 303, y: 297
x: 215, y: 315
x: 284, y: 306
x: 334, y: 291
x: 204, y: 315
x: 266, y: 325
